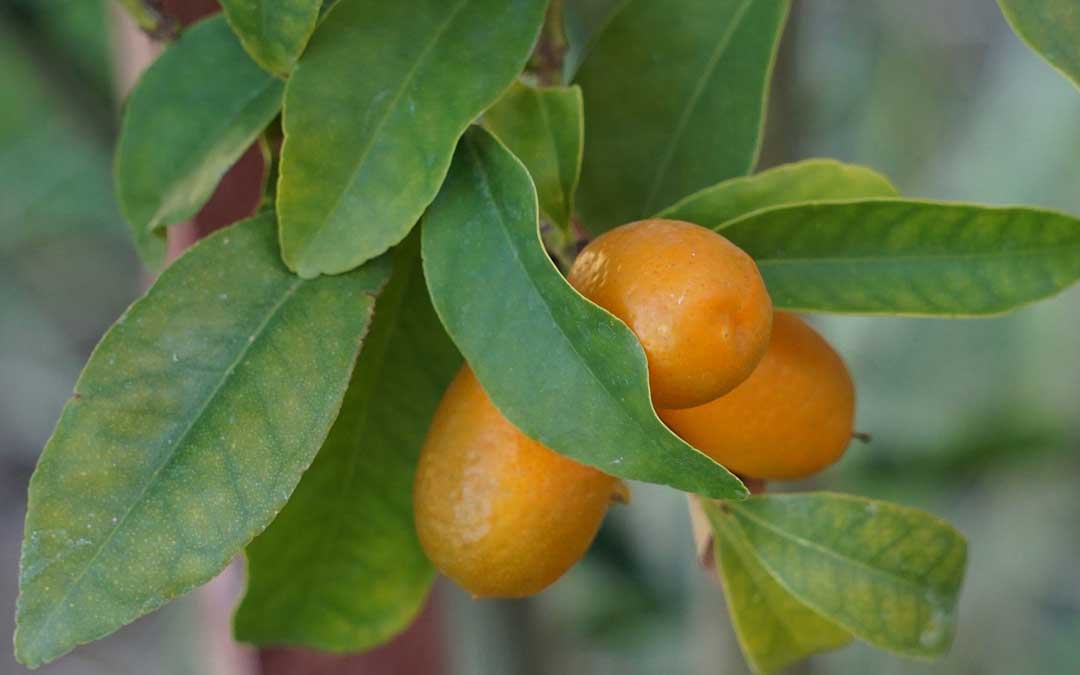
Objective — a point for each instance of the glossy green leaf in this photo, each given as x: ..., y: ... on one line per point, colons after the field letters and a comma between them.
x: 543, y: 127
x: 900, y: 256
x: 806, y: 181
x: 774, y: 629
x: 887, y: 573
x: 341, y: 568
x: 675, y: 96
x: 189, y: 428
x: 192, y: 114
x: 372, y: 113
x: 1051, y: 28
x: 561, y: 369
x: 273, y: 32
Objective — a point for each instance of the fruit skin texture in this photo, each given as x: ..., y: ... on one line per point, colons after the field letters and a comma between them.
x: 696, y: 302
x: 792, y: 417
x: 497, y: 512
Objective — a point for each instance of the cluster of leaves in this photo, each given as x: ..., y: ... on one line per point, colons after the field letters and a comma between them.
x: 270, y: 392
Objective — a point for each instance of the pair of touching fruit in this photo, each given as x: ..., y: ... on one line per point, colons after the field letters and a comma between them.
x: 761, y: 393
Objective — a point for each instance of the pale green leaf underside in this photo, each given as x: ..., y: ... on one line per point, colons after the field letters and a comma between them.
x: 273, y: 32
x: 198, y: 107
x: 544, y: 128
x: 774, y: 628
x: 561, y: 369
x: 190, y: 425
x: 1051, y: 28
x: 341, y: 568
x: 674, y: 101
x: 373, y: 110
x: 888, y: 574
x: 806, y: 181
x: 901, y: 256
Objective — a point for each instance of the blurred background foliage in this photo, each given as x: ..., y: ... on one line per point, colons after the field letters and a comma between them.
x: 977, y: 421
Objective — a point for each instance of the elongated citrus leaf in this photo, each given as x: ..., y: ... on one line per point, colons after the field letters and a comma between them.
x: 901, y: 256
x: 543, y: 127
x: 341, y: 569
x: 774, y: 628
x: 188, y: 430
x: 697, y: 71
x: 190, y: 117
x: 1051, y: 28
x: 561, y: 369
x: 273, y: 32
x: 887, y: 573
x: 372, y: 113
x: 806, y: 181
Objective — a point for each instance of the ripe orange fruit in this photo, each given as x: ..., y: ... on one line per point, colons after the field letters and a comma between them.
x: 792, y: 417
x: 695, y: 301
x: 497, y: 512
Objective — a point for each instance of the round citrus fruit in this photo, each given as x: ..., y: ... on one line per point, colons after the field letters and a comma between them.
x: 791, y: 418
x: 497, y: 512
x: 695, y: 301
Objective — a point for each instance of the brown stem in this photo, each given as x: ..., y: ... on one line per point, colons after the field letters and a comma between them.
x: 547, y: 59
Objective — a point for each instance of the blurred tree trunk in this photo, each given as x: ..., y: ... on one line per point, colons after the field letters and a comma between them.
x: 419, y: 649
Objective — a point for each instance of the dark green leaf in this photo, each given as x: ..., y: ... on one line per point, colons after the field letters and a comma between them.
x: 674, y: 101
x: 581, y: 21
x: 188, y: 430
x: 810, y: 180
x: 774, y: 629
x: 899, y: 256
x: 561, y: 369
x: 887, y: 573
x: 1051, y: 28
x: 373, y: 111
x: 543, y: 127
x: 273, y: 32
x: 190, y: 117
x: 341, y: 569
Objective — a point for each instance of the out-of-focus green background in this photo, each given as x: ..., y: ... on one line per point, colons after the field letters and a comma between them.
x: 978, y: 421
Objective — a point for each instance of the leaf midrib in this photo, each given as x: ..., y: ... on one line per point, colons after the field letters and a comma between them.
x: 746, y: 553
x: 406, y: 83
x: 504, y: 229
x: 992, y: 254
x: 695, y: 97
x: 806, y: 543
x: 178, y: 449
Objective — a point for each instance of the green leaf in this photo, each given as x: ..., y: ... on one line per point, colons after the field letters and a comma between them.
x: 900, y: 256
x: 806, y: 181
x: 887, y: 573
x: 341, y: 568
x: 1051, y: 28
x: 273, y: 32
x: 543, y: 127
x: 189, y: 428
x: 372, y: 113
x: 674, y: 101
x: 774, y: 629
x: 582, y: 19
x: 192, y: 114
x: 561, y: 369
